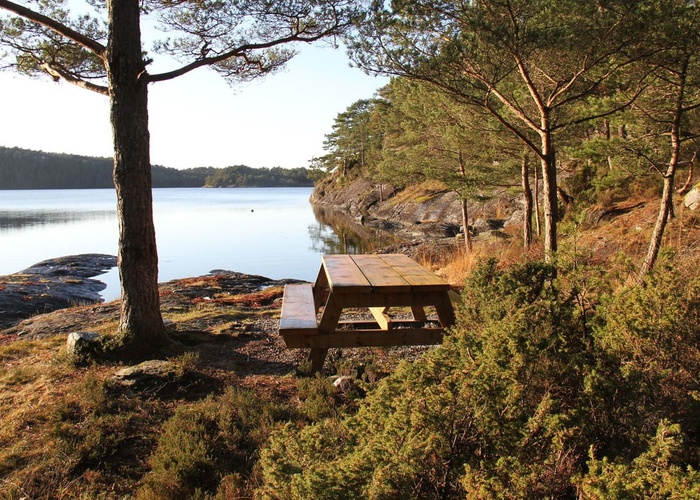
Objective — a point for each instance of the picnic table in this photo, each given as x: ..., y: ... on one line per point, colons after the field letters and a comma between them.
x: 311, y: 312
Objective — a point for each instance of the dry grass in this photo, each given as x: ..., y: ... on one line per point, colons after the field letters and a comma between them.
x: 34, y: 380
x: 460, y: 265
x: 249, y: 300
x: 418, y: 193
x: 617, y: 244
x: 70, y: 431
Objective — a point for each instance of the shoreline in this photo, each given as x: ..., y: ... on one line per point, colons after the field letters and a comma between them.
x: 52, y: 284
x: 68, y: 281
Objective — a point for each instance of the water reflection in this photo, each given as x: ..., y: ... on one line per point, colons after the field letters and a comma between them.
x: 271, y: 232
x: 338, y: 233
x: 11, y: 219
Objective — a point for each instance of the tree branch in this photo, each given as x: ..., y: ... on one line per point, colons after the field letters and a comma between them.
x: 689, y: 180
x: 53, y: 25
x: 61, y: 73
x: 237, y: 52
x: 518, y: 133
x: 603, y: 114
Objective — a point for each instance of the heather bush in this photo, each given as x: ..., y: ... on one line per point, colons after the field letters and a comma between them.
x: 212, y: 442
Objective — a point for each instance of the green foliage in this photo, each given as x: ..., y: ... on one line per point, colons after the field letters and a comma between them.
x: 429, y: 135
x: 355, y: 140
x: 185, y: 363
x: 580, y: 183
x: 206, y: 442
x: 25, y: 169
x: 498, y: 392
x: 291, y: 453
x: 242, y: 176
x: 547, y: 388
x: 318, y: 398
x: 530, y: 358
x: 649, y: 356
x: 92, y: 424
x: 654, y: 474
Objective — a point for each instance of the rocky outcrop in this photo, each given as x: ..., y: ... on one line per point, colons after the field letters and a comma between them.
x: 355, y: 198
x: 692, y: 199
x: 52, y: 284
x: 418, y: 213
x: 219, y: 286
x: 151, y: 372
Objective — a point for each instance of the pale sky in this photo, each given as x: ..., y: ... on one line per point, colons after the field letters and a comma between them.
x: 197, y: 120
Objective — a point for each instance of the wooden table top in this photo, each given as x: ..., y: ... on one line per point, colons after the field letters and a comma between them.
x: 384, y: 273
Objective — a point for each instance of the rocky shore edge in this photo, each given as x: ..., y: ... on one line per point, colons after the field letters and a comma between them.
x: 65, y: 282
x: 52, y: 284
x: 422, y: 213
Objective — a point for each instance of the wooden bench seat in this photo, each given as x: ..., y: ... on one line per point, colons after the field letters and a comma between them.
x: 298, y: 316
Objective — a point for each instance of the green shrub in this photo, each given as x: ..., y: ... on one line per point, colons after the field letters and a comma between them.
x: 318, y: 398
x: 493, y: 405
x: 91, y: 425
x: 648, y: 343
x: 208, y: 441
x: 656, y: 473
x: 547, y: 388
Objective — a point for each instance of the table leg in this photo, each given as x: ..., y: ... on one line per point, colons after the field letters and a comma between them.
x: 445, y: 311
x: 419, y: 313
x: 320, y: 288
x: 330, y: 316
x: 328, y: 324
x: 317, y: 356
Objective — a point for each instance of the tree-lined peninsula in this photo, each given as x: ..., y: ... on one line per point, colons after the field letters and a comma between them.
x: 27, y: 169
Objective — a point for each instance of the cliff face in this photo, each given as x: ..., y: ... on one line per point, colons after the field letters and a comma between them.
x: 423, y: 211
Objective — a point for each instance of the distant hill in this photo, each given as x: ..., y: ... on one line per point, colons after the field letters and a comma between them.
x: 27, y: 169
x: 242, y: 176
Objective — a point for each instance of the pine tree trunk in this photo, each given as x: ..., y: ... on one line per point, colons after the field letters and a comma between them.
x: 659, y: 228
x: 683, y: 190
x: 527, y: 196
x: 549, y: 189
x: 141, y: 324
x: 666, y: 205
x: 465, y: 212
x: 538, y: 223
x: 465, y: 222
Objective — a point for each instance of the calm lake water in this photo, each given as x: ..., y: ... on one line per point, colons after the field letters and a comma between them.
x: 267, y: 231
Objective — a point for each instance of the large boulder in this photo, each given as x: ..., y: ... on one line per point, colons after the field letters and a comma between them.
x: 692, y: 199
x: 83, y: 345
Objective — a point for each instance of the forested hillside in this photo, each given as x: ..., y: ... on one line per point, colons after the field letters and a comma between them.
x: 570, y: 374
x: 25, y: 169
x: 242, y: 176
x: 563, y: 141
